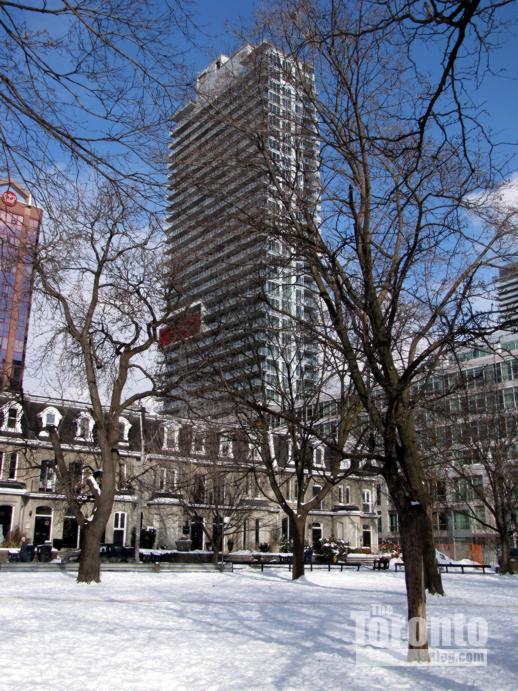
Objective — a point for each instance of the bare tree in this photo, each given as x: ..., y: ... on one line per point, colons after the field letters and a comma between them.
x: 397, y: 263
x: 88, y: 84
x: 98, y: 273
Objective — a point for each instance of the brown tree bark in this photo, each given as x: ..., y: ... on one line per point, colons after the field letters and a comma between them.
x: 297, y: 528
x: 90, y: 560
x: 411, y: 522
x: 504, y: 557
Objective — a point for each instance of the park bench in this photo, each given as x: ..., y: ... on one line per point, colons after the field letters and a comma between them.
x: 446, y: 567
x: 374, y: 561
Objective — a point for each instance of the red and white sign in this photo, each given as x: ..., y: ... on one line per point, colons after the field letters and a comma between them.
x: 9, y: 198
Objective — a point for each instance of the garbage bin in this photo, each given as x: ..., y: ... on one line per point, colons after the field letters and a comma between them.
x: 27, y: 552
x: 183, y: 545
x: 44, y: 552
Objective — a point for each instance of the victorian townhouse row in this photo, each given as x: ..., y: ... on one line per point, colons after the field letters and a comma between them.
x: 184, y: 480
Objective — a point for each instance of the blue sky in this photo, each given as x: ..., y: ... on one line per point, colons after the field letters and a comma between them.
x: 220, y: 23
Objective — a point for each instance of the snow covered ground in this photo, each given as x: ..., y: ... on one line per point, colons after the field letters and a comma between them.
x: 244, y: 630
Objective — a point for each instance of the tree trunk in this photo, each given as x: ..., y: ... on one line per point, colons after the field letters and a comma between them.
x: 412, y: 528
x: 90, y: 560
x: 504, y: 558
x: 297, y: 528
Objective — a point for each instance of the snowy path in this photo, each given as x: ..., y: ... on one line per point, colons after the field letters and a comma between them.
x: 231, y: 631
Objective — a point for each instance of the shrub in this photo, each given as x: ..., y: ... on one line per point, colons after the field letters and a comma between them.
x: 13, y: 538
x: 334, y: 548
x: 286, y: 545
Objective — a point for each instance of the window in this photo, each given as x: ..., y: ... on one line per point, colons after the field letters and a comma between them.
x: 124, y: 428
x: 316, y: 489
x: 75, y: 470
x: 12, y: 417
x: 162, y: 479
x: 340, y: 495
x: 460, y: 520
x: 198, y: 442
x: 442, y: 520
x: 347, y: 495
x: 393, y: 520
x: 170, y: 438
x: 366, y: 501
x: 318, y: 457
x: 285, y: 529
x: 225, y: 446
x: 119, y: 528
x: 199, y: 490
x: 47, y: 476
x: 257, y: 531
x: 84, y: 427
x: 49, y: 417
x: 13, y: 466
x: 245, y: 534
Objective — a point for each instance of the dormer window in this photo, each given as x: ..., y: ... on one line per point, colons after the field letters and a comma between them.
x: 12, y: 417
x: 84, y: 427
x: 198, y: 442
x: 170, y: 438
x: 124, y: 428
x: 318, y: 457
x: 49, y: 417
x: 225, y: 446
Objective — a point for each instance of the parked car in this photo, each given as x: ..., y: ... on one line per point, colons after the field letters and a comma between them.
x: 108, y: 552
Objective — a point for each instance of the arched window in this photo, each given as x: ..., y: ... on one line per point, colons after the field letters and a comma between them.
x: 12, y: 417
x: 49, y: 417
x: 84, y: 427
x: 318, y: 457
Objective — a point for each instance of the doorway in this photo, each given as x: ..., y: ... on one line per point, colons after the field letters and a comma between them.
x: 197, y: 533
x: 316, y: 534
x: 6, y: 519
x: 42, y: 525
x: 70, y: 532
